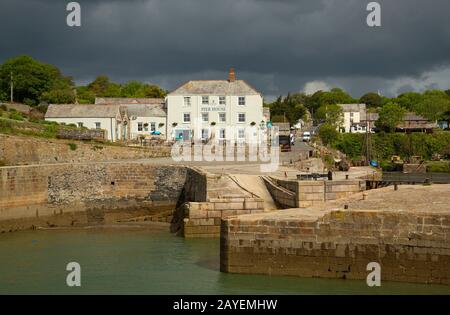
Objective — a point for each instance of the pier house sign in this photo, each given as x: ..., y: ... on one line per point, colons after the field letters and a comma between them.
x: 213, y: 109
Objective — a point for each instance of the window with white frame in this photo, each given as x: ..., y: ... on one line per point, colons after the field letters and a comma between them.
x: 222, y: 117
x: 140, y: 125
x: 205, y: 100
x: 241, y: 117
x: 205, y: 117
x: 187, y: 117
x: 98, y: 125
x: 187, y: 101
x: 222, y: 100
x: 80, y: 125
x: 205, y: 134
x: 152, y: 126
x: 241, y: 100
x: 222, y: 133
x: 241, y: 133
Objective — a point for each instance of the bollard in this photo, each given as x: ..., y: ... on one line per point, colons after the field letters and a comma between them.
x: 395, y: 186
x: 346, y: 176
x: 345, y: 207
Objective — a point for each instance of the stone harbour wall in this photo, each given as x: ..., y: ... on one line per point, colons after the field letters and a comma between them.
x: 208, y: 198
x: 28, y: 193
x: 17, y: 150
x: 410, y: 247
x: 203, y: 219
x: 302, y: 194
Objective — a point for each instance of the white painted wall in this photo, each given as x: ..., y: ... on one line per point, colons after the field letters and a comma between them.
x: 108, y: 124
x: 253, y: 110
x: 146, y: 131
x: 348, y: 117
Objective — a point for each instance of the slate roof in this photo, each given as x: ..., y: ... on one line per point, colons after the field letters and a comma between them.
x: 215, y: 87
x: 349, y: 108
x: 145, y: 110
x: 126, y: 101
x: 81, y: 111
x: 103, y: 111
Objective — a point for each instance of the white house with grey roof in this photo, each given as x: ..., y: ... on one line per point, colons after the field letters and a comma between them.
x: 122, y: 119
x: 197, y: 107
x: 354, y: 120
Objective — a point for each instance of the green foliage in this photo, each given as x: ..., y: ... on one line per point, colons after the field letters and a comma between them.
x: 434, y: 105
x: 72, y: 146
x: 138, y: 89
x: 42, y: 108
x: 351, y: 144
x: 84, y: 95
x: 61, y: 96
x: 16, y: 115
x: 31, y: 79
x: 371, y: 99
x: 328, y: 134
x: 385, y: 145
x: 102, y: 86
x: 389, y: 117
x: 288, y: 109
x: 438, y: 167
x: 331, y: 114
x: 334, y: 96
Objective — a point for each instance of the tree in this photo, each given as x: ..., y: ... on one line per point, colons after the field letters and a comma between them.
x: 390, y: 115
x: 433, y: 105
x: 371, y: 99
x: 321, y: 98
x: 289, y: 108
x: 103, y: 87
x: 32, y: 79
x: 409, y: 100
x: 331, y: 114
x: 328, y: 134
x: 61, y: 96
x: 84, y: 95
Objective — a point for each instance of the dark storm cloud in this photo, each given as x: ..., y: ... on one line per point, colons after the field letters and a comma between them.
x: 276, y: 45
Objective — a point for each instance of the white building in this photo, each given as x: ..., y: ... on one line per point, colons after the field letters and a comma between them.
x: 223, y: 109
x: 124, y: 121
x: 354, y: 118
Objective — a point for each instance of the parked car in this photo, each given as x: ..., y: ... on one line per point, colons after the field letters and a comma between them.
x: 306, y: 136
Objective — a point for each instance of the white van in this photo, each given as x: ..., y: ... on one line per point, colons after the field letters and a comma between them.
x: 306, y: 136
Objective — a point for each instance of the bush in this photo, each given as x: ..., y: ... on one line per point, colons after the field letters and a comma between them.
x: 50, y: 131
x: 42, y: 108
x: 438, y: 167
x: 72, y: 146
x: 385, y: 145
x: 328, y: 134
x: 16, y: 115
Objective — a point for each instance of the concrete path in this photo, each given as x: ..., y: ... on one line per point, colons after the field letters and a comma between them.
x: 256, y: 185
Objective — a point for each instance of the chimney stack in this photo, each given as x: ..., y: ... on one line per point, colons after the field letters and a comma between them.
x: 232, y: 76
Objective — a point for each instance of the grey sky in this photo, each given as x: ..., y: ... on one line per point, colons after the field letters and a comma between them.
x: 276, y: 45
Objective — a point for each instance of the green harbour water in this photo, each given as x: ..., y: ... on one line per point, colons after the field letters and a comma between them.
x: 149, y: 261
